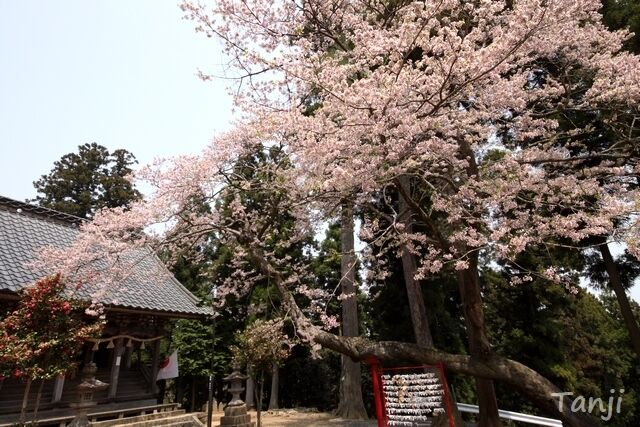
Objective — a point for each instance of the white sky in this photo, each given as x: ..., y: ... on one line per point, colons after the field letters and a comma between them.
x: 120, y: 73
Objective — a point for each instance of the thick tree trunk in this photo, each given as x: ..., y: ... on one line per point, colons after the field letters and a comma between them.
x: 417, y: 309
x: 533, y: 386
x: 623, y: 300
x: 419, y: 320
x: 351, y: 405
x: 275, y: 385
x: 469, y: 286
x: 479, y: 347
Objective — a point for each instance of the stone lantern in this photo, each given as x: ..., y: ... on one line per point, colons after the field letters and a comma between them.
x: 86, y: 390
x: 235, y: 414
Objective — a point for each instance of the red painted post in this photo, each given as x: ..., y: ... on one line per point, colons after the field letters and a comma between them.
x: 447, y: 397
x: 377, y: 391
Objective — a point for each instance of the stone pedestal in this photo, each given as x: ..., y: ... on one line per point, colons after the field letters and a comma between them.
x: 85, y: 390
x: 235, y: 414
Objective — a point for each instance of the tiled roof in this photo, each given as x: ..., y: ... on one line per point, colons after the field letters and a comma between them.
x: 24, y: 229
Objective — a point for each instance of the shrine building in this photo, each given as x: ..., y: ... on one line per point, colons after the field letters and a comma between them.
x: 137, y: 315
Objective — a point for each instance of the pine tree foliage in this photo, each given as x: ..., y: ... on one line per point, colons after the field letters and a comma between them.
x: 92, y: 178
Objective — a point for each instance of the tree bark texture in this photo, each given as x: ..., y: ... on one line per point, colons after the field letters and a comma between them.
x: 479, y: 347
x: 350, y: 405
x: 415, y: 297
x: 419, y: 320
x: 469, y: 287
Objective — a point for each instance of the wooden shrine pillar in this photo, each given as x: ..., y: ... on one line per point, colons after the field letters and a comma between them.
x: 115, y: 368
x: 155, y: 365
x: 58, y: 385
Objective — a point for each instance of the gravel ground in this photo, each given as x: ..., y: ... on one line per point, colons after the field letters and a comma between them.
x: 302, y: 418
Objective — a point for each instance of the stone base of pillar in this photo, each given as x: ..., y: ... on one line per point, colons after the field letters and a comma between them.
x: 80, y: 421
x: 236, y: 416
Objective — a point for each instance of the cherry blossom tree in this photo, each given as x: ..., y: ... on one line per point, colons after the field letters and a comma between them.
x: 462, y: 99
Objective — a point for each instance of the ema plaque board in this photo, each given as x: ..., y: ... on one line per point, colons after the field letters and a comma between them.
x: 410, y: 396
x: 412, y: 399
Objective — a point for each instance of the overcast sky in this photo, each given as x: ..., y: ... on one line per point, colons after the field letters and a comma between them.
x: 120, y: 73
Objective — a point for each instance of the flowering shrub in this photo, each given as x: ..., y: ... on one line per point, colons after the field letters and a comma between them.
x: 262, y: 344
x: 40, y: 339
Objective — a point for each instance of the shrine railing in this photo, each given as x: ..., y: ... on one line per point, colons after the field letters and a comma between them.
x: 514, y: 416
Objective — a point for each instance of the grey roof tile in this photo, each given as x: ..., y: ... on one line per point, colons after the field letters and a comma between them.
x: 24, y: 229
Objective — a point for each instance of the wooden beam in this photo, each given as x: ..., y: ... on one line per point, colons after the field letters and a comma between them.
x: 137, y: 332
x: 167, y: 314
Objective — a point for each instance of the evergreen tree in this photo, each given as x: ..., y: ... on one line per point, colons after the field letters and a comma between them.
x: 93, y: 178
x: 575, y: 340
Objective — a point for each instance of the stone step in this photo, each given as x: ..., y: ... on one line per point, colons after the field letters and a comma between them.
x: 138, y: 418
x: 167, y: 420
x: 193, y: 422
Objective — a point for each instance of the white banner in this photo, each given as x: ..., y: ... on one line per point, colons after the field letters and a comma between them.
x: 169, y: 368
